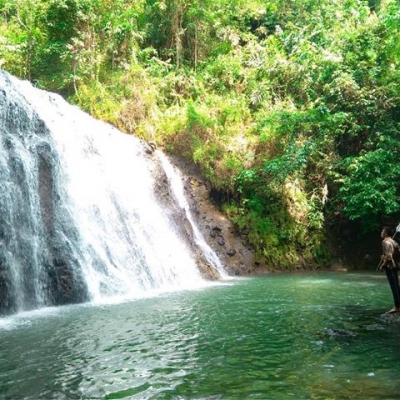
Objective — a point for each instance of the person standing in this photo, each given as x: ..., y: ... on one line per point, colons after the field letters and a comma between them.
x: 388, y: 263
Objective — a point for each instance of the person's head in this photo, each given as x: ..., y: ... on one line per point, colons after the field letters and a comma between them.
x: 387, y: 231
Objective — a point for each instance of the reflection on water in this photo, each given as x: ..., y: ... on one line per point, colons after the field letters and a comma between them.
x: 308, y: 336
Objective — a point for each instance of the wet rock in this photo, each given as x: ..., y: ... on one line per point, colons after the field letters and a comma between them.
x: 390, y: 318
x: 221, y: 241
x: 375, y: 327
x: 7, y: 301
x: 208, y: 272
x: 150, y: 147
x: 231, y: 252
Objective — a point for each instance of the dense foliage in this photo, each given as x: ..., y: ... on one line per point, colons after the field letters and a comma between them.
x: 290, y: 107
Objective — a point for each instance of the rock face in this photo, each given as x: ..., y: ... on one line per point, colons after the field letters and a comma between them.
x: 219, y: 232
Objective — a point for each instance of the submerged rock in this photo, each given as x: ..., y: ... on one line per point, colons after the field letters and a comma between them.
x: 341, y: 333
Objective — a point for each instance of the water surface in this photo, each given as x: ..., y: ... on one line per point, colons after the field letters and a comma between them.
x: 301, y: 336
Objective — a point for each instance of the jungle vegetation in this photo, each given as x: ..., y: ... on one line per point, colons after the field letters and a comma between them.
x: 291, y: 108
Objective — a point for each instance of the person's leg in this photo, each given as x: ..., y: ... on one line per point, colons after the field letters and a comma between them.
x: 394, y: 286
x: 396, y: 282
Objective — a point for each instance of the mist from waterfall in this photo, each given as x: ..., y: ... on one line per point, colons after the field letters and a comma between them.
x: 80, y: 220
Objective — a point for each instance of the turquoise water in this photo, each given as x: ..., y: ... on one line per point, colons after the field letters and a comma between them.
x: 305, y: 336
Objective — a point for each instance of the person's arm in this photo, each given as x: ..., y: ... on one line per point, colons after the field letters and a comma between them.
x: 395, y: 254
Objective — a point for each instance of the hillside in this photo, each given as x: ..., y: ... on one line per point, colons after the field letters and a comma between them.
x: 289, y: 109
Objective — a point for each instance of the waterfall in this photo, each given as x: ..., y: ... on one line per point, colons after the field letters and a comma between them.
x: 175, y: 180
x: 80, y: 219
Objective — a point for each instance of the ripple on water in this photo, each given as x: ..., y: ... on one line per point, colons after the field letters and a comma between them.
x: 255, y: 339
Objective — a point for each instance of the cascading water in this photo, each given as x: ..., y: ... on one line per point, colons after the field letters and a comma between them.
x: 79, y: 219
x: 177, y: 188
